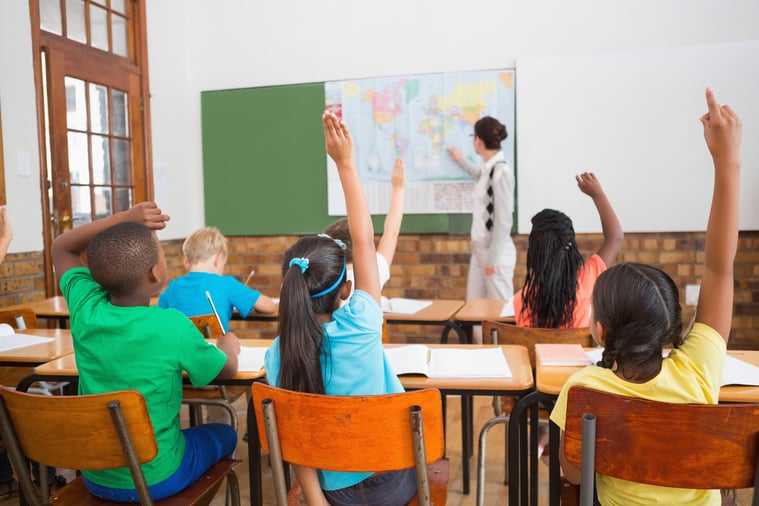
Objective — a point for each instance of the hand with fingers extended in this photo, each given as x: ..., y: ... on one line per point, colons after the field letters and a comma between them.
x: 722, y: 131
x: 338, y: 140
x: 398, y: 178
x: 148, y: 214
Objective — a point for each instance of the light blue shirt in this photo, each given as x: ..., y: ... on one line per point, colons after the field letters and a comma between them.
x: 353, y: 363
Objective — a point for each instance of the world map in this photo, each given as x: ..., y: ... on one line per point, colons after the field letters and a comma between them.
x: 418, y: 117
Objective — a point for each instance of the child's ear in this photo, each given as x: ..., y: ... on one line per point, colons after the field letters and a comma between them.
x: 598, y: 331
x: 346, y: 289
x: 219, y: 259
x: 154, y: 275
x: 186, y: 264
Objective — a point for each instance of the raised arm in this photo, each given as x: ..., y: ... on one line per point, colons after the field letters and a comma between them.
x: 612, y: 229
x: 68, y: 247
x: 722, y: 132
x: 458, y: 157
x: 389, y: 240
x: 339, y: 144
x: 6, y: 233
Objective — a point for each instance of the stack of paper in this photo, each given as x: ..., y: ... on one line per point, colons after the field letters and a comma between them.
x: 9, y: 340
x: 448, y: 362
x: 251, y: 358
x: 561, y: 355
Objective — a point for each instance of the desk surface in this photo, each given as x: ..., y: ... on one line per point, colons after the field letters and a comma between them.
x: 480, y: 310
x: 42, y: 352
x: 550, y: 380
x: 516, y: 357
x: 66, y: 365
x: 52, y: 307
x: 439, y: 311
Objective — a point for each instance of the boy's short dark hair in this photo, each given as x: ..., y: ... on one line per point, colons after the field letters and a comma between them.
x: 339, y: 230
x: 121, y: 255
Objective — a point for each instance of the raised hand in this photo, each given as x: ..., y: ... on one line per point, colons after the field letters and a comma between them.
x: 588, y: 184
x: 148, y: 214
x: 722, y: 131
x: 338, y: 140
x: 398, y: 178
x: 455, y: 154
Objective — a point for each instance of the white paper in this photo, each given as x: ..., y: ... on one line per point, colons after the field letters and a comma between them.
x: 251, y: 358
x: 738, y: 372
x: 448, y: 362
x: 13, y: 341
x: 404, y: 306
x: 508, y: 309
x: 6, y: 330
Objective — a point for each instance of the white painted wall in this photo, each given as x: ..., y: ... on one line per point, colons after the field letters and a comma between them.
x: 197, y: 45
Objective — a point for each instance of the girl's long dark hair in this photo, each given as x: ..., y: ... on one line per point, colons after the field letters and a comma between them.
x: 639, y: 308
x: 553, y: 263
x: 300, y: 334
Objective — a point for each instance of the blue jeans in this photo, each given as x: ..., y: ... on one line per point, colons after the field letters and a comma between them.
x: 385, y: 489
x: 204, y: 446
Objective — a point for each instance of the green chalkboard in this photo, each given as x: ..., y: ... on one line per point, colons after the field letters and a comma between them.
x: 264, y: 165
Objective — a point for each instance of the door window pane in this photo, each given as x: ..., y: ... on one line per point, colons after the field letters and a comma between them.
x: 99, y: 27
x: 50, y: 16
x: 99, y: 108
x: 76, y: 26
x: 81, y: 209
x: 103, y: 204
x: 123, y: 199
x: 121, y: 156
x: 118, y: 6
x: 119, y: 34
x: 76, y: 106
x: 101, y: 160
x: 119, y: 108
x: 79, y: 169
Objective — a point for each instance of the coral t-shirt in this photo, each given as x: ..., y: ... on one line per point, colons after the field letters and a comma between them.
x: 586, y: 279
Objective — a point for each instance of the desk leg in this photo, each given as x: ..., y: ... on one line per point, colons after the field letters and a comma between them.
x: 466, y: 439
x: 460, y: 333
x: 254, y: 458
x: 554, y: 468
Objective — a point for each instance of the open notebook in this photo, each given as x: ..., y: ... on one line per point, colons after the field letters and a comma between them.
x: 9, y: 340
x: 734, y: 372
x: 448, y: 362
x: 403, y: 306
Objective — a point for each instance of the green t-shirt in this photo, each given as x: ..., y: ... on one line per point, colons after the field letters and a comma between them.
x: 141, y: 348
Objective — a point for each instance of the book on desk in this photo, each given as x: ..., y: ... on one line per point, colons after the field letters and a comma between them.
x: 9, y: 340
x: 561, y: 355
x: 487, y: 362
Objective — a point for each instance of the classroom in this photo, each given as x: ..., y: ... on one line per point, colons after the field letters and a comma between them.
x: 584, y: 70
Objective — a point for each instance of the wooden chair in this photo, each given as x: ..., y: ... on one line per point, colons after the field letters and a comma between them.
x: 212, y: 395
x: 94, y: 432
x: 21, y: 318
x: 355, y: 433
x: 505, y: 333
x: 695, y: 446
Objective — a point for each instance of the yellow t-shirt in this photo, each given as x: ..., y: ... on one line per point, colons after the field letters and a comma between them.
x: 690, y: 374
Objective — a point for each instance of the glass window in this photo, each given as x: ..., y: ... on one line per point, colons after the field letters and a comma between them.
x: 76, y: 105
x: 99, y: 108
x: 101, y: 160
x: 81, y: 208
x: 121, y: 159
x: 123, y: 199
x: 50, y: 16
x: 119, y: 33
x: 79, y: 169
x: 99, y: 27
x: 76, y: 26
x: 103, y: 204
x: 119, y: 113
x: 118, y: 6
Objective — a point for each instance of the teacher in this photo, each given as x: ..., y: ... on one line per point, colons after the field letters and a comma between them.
x: 491, y: 267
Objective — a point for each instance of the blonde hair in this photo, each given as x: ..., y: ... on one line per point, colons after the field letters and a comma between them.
x: 203, y: 244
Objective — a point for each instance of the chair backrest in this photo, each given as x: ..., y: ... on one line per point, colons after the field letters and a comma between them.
x: 208, y: 325
x: 351, y: 433
x: 14, y: 318
x: 695, y: 446
x: 505, y: 333
x: 77, y: 432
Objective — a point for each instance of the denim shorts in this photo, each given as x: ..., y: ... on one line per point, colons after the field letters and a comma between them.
x: 383, y: 489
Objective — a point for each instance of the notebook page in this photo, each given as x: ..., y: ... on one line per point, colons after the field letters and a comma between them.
x: 11, y: 342
x: 251, y: 358
x: 409, y: 359
x: 738, y: 372
x: 405, y: 306
x: 468, y: 363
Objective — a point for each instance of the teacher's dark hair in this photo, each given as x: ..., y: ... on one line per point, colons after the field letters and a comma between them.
x: 300, y: 334
x: 491, y: 131
x: 639, y: 307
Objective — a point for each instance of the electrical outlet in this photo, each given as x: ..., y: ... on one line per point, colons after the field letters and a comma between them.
x: 691, y: 294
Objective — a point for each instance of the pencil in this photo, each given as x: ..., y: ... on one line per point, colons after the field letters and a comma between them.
x: 216, y: 313
x: 253, y: 271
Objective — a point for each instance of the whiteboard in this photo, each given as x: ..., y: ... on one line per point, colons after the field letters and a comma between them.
x: 633, y: 118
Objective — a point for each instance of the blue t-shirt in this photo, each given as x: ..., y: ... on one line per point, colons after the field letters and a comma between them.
x: 188, y: 294
x: 353, y: 363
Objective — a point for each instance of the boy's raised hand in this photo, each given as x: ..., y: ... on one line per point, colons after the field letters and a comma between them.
x: 722, y: 131
x: 398, y: 178
x: 148, y: 214
x: 339, y: 143
x: 588, y: 184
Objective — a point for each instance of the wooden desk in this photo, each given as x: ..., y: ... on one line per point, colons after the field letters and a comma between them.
x: 53, y: 308
x: 519, y: 384
x: 548, y: 383
x: 439, y: 312
x: 64, y: 369
x: 476, y: 311
x: 36, y: 354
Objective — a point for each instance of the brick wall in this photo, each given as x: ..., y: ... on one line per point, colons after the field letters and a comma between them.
x: 435, y: 266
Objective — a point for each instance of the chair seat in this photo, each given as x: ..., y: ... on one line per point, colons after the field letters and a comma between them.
x: 437, y: 472
x: 199, y: 493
